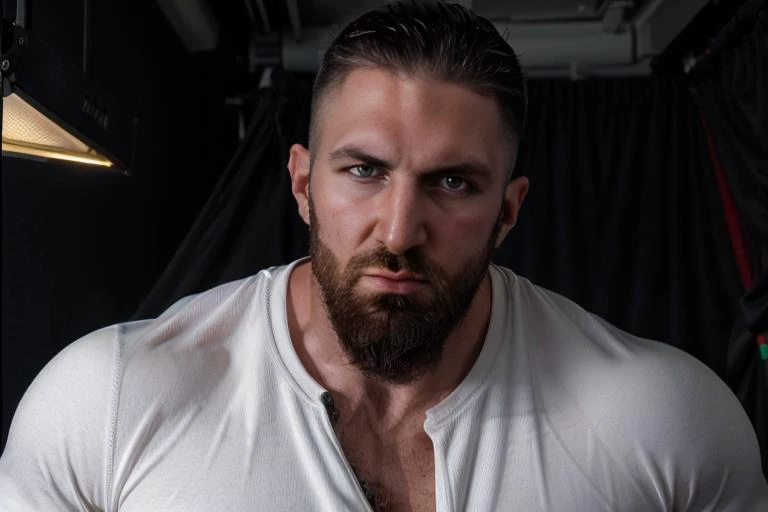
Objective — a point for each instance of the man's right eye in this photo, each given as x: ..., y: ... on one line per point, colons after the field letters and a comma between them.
x: 363, y: 171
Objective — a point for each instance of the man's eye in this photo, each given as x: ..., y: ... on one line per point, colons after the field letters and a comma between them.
x: 454, y: 183
x: 363, y: 171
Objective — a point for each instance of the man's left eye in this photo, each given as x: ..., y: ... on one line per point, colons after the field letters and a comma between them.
x: 453, y: 183
x: 363, y: 171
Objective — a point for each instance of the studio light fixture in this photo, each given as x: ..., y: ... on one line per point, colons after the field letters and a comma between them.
x: 52, y: 108
x: 27, y: 131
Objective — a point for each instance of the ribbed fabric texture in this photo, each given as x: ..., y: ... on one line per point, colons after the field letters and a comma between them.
x: 208, y: 407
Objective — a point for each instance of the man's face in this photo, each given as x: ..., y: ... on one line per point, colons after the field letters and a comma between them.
x: 406, y: 199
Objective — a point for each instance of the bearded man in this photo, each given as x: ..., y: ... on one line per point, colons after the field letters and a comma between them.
x: 395, y: 368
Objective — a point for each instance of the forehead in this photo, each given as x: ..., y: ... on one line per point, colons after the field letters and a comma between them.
x: 413, y: 120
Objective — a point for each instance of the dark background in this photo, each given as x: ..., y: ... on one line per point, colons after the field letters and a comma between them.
x: 625, y: 213
x: 81, y: 246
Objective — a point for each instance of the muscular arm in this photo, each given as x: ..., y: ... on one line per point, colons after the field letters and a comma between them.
x: 687, y: 434
x: 718, y: 458
x: 55, y: 458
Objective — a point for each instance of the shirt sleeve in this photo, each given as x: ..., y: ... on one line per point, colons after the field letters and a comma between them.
x: 688, y: 435
x: 55, y: 457
x: 718, y: 466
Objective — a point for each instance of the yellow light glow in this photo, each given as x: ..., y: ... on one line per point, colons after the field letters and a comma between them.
x: 27, y: 131
x: 57, y: 154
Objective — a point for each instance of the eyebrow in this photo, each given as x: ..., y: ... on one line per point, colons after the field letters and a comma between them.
x: 356, y: 153
x: 472, y: 168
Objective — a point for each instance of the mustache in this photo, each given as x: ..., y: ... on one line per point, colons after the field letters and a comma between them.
x: 410, y: 261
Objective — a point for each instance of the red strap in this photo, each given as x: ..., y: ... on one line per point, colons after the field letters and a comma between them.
x: 732, y: 218
x: 733, y: 221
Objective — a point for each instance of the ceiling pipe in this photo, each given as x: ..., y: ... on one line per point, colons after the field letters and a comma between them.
x: 550, y: 45
x: 21, y: 13
x: 540, y: 46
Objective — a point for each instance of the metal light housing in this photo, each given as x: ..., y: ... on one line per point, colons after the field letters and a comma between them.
x: 27, y: 131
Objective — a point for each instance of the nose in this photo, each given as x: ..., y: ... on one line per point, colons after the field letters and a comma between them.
x: 401, y: 219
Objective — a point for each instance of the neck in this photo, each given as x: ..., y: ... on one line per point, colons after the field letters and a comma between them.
x: 389, y: 404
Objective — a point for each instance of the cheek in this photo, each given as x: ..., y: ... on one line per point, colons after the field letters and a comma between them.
x: 463, y: 236
x: 341, y: 218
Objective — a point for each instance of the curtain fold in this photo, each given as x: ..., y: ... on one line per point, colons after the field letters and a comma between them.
x: 730, y: 87
x: 623, y: 215
x: 250, y: 221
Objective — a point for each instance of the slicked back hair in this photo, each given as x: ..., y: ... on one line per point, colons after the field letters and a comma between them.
x: 427, y: 39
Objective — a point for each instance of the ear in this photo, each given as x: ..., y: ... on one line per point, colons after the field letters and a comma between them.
x: 514, y: 195
x: 298, y: 167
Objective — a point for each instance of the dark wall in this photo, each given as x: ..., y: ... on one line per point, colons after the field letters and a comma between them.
x: 82, y: 246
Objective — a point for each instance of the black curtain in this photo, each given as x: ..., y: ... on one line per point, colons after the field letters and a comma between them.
x: 250, y: 221
x: 623, y: 215
x: 730, y: 86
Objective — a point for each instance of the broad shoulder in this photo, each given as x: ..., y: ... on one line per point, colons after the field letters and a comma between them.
x: 77, y: 378
x: 675, y: 425
x: 196, y: 343
x: 76, y: 388
x: 660, y: 415
x: 59, y: 430
x: 201, y: 320
x: 67, y: 427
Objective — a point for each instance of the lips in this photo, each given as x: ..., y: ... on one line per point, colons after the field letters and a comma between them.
x: 395, y: 276
x: 393, y: 282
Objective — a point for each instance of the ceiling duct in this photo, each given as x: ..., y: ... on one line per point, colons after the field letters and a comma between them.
x: 661, y: 21
x: 541, y: 46
x: 561, y: 45
x: 615, y: 12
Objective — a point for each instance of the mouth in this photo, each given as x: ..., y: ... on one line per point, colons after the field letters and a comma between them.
x: 395, y: 276
x: 385, y: 281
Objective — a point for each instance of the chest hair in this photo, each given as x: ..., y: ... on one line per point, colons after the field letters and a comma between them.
x: 396, y: 471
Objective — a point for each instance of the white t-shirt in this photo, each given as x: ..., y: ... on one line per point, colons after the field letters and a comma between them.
x: 208, y: 408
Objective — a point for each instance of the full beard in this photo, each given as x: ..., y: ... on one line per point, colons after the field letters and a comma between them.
x: 391, y: 337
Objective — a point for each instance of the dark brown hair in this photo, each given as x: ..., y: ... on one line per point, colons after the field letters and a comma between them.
x: 427, y: 39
